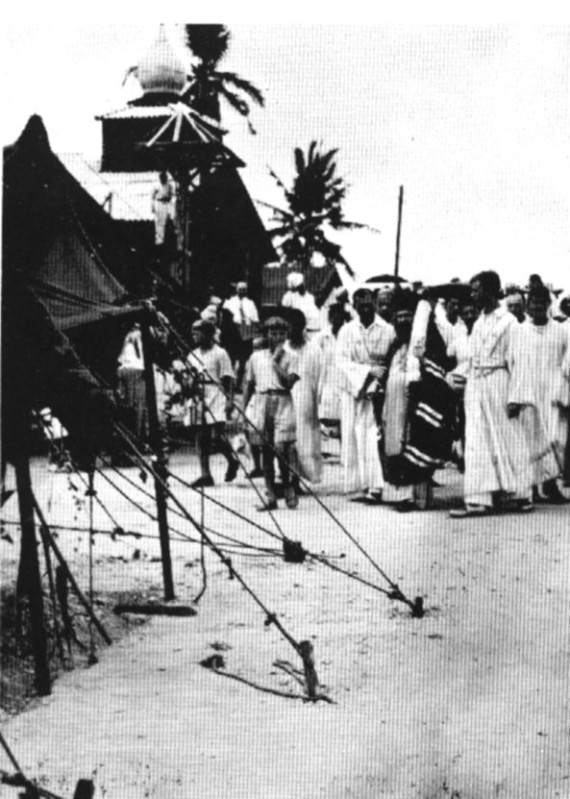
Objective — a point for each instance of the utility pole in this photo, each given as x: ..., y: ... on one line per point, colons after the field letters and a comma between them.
x: 397, y: 262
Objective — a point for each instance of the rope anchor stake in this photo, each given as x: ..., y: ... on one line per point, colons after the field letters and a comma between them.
x: 417, y: 606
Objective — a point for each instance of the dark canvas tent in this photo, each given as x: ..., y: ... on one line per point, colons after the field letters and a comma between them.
x: 229, y: 242
x: 64, y: 314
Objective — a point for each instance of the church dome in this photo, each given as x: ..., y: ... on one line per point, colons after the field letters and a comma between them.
x: 161, y: 71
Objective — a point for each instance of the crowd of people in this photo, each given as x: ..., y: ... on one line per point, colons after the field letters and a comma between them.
x: 408, y: 381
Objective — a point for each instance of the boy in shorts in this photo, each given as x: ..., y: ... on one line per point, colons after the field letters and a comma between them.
x: 271, y: 373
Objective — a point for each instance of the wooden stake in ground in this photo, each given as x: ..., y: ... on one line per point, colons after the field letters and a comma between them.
x: 311, y: 680
x: 29, y: 575
x: 68, y: 573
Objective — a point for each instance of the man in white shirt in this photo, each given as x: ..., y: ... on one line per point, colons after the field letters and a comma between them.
x: 541, y: 391
x: 298, y: 297
x: 362, y: 346
x: 214, y: 379
x: 243, y: 309
x: 497, y: 459
x: 246, y: 317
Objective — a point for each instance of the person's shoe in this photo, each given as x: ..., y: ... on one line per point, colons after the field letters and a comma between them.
x: 524, y: 506
x: 291, y: 498
x: 373, y: 498
x: 405, y: 506
x: 553, y: 495
x: 269, y: 504
x: 470, y: 512
x: 206, y: 481
x: 232, y: 471
x: 537, y: 496
x: 255, y: 473
x: 359, y: 498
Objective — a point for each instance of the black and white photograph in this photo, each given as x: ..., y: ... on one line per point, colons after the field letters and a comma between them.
x: 285, y: 396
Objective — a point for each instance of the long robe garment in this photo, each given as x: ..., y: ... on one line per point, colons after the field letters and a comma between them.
x: 305, y: 395
x: 539, y: 384
x: 395, y: 419
x: 359, y: 348
x: 331, y: 379
x: 496, y: 452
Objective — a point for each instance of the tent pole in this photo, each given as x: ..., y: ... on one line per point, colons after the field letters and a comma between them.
x: 157, y: 445
x: 30, y: 572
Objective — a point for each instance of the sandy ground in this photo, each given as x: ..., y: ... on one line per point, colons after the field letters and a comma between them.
x: 470, y: 702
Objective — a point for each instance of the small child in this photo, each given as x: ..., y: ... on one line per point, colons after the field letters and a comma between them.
x: 270, y: 374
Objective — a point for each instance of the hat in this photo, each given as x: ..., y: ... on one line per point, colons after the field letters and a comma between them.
x: 205, y: 325
x: 294, y: 280
x: 241, y: 285
x: 275, y: 323
x: 210, y: 313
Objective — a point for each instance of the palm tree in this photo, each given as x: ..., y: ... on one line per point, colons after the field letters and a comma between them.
x: 315, y: 203
x: 207, y: 85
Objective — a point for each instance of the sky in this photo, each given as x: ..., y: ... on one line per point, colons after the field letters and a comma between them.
x: 473, y: 120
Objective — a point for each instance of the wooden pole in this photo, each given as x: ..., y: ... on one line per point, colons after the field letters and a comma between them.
x: 156, y: 443
x: 30, y: 573
x: 400, y: 204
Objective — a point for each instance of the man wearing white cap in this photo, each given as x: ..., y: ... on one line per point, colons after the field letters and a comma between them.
x: 298, y: 297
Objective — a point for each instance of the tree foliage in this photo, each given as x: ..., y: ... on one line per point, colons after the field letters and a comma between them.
x: 314, y: 203
x: 207, y: 84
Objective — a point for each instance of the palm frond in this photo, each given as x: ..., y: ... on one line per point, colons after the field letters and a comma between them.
x: 236, y: 102
x: 277, y: 179
x: 242, y: 85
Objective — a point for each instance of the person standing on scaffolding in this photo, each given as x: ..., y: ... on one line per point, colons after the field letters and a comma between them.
x: 213, y: 380
x: 162, y: 206
x: 271, y: 373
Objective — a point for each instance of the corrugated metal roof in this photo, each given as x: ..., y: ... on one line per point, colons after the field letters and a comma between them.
x: 137, y: 112
x: 124, y: 195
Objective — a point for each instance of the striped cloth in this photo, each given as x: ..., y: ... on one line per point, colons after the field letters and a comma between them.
x: 431, y: 417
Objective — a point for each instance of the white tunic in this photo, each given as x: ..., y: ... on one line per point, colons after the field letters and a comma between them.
x: 359, y: 348
x: 331, y: 378
x: 496, y: 453
x: 214, y: 364
x: 305, y: 395
x: 540, y: 385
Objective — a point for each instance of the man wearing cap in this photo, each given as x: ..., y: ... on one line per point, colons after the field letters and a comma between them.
x: 298, y: 297
x: 362, y: 346
x: 214, y: 377
x: 271, y: 374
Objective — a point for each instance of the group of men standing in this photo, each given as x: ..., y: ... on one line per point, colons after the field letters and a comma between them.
x: 410, y: 381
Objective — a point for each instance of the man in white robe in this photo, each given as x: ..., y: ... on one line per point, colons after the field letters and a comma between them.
x: 305, y: 393
x: 362, y: 346
x: 542, y: 391
x: 497, y: 460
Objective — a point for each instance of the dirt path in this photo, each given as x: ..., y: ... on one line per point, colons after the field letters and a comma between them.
x: 470, y: 702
